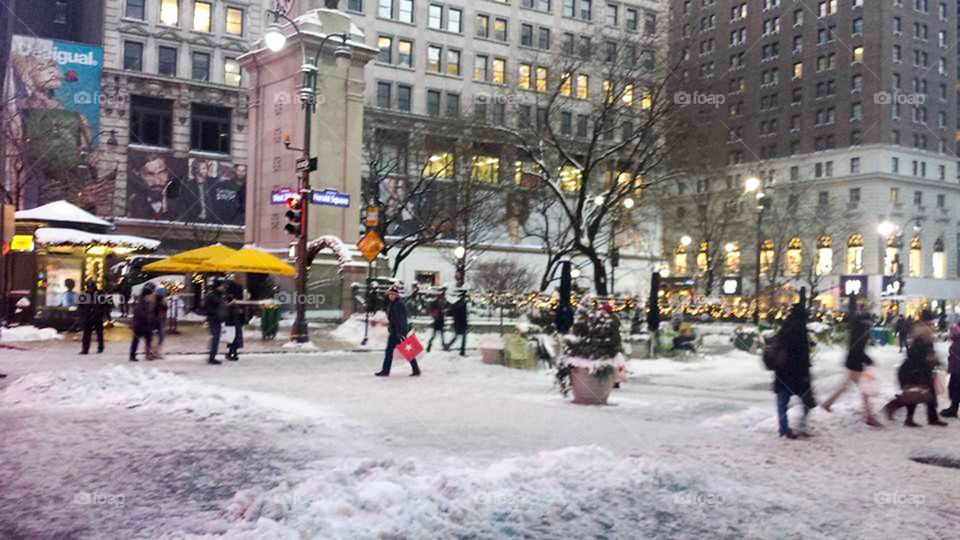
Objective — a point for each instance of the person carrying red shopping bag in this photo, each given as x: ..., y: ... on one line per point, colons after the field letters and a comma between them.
x: 398, y: 328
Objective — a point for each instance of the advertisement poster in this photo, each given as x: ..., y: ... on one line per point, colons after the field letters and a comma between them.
x: 196, y: 190
x: 57, y: 75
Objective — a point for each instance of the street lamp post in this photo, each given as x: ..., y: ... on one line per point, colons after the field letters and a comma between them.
x: 460, y: 252
x: 275, y: 39
x: 752, y: 185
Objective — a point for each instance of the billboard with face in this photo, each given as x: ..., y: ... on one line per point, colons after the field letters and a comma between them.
x: 196, y: 190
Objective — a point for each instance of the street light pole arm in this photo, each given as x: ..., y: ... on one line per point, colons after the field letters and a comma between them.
x: 277, y: 15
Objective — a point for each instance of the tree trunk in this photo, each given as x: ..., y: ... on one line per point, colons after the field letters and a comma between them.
x: 599, y: 275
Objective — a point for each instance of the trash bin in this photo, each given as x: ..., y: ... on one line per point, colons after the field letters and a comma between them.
x: 878, y: 335
x: 269, y: 320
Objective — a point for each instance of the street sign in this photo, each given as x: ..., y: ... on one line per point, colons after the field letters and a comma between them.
x: 373, y: 216
x: 853, y: 285
x: 330, y: 197
x: 304, y: 164
x: 281, y: 195
x: 370, y: 246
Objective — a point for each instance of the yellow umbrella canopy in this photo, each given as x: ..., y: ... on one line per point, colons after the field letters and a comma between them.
x: 194, y: 260
x: 254, y: 261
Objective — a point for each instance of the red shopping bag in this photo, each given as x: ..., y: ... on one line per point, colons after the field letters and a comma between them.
x: 410, y: 348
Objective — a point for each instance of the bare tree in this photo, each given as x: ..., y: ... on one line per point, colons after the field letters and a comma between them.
x: 595, y: 153
x: 502, y: 275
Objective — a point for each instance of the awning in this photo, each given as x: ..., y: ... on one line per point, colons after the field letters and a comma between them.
x: 194, y: 260
x: 53, y: 236
x: 253, y: 261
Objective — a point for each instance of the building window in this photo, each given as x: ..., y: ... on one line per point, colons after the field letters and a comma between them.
x: 439, y: 165
x: 210, y: 128
x: 824, y: 255
x: 433, y: 102
x: 453, y: 105
x: 485, y: 169
x: 479, y: 68
x: 916, y: 257
x: 498, y: 74
x: 454, y: 20
x: 385, y: 44
x: 383, y: 94
x: 680, y: 261
x: 526, y: 35
x: 151, y: 121
x: 939, y: 260
x: 406, y: 11
x: 385, y: 9
x: 855, y: 254
x: 60, y: 13
x: 167, y: 61
x: 891, y: 255
x: 234, y: 25
x: 201, y: 66
x: 523, y: 76
x: 355, y: 5
x: 404, y: 97
x: 500, y: 29
x: 794, y: 259
x: 201, y: 16
x: 483, y: 26
x: 433, y: 58
x: 435, y: 17
x: 703, y: 257
x: 766, y: 256
x: 232, y: 74
x: 732, y: 258
x: 135, y: 9
x: 132, y: 56
x: 170, y: 12
x: 453, y: 62
x: 405, y: 53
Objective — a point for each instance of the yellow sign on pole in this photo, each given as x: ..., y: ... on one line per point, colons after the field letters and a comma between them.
x: 21, y: 242
x: 370, y: 246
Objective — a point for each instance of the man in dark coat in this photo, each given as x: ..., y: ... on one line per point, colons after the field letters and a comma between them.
x: 143, y: 322
x: 438, y: 312
x: 94, y: 308
x: 794, y: 378
x: 398, y: 327
x: 459, y: 313
x: 903, y: 331
x: 215, y: 307
x: 236, y: 319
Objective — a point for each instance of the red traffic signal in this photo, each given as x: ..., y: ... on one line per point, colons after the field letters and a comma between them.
x: 294, y: 215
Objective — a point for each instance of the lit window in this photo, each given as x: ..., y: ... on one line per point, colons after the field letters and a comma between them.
x: 732, y: 258
x: 858, y: 54
x: 231, y: 72
x: 542, y: 78
x: 485, y: 169
x: 566, y: 88
x: 680, y: 261
x: 824, y: 255
x: 570, y: 178
x: 703, y: 257
x: 526, y: 174
x: 916, y: 257
x: 855, y: 254
x: 498, y: 75
x: 766, y: 256
x: 583, y: 86
x: 523, y: 78
x: 439, y: 165
x: 891, y: 257
x: 201, y: 16
x: 628, y: 95
x: 939, y: 260
x: 169, y: 12
x: 798, y: 70
x: 234, y: 25
x: 794, y: 260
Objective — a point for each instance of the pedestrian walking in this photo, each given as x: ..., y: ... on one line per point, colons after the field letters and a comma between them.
x: 916, y: 375
x: 398, y: 326
x: 235, y: 319
x: 460, y: 324
x: 216, y: 309
x: 438, y: 312
x: 903, y: 332
x: 856, y: 363
x: 161, y: 307
x: 94, y: 309
x: 793, y: 377
x: 123, y: 289
x: 953, y: 369
x: 144, y: 324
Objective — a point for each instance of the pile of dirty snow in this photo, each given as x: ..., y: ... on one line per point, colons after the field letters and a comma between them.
x: 352, y: 330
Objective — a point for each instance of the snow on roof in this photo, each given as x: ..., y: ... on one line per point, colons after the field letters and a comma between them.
x: 61, y: 211
x: 53, y: 236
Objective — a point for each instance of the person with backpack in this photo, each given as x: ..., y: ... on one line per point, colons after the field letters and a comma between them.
x: 916, y: 375
x: 459, y: 313
x: 216, y: 309
x: 438, y: 312
x: 789, y: 358
x: 953, y: 369
x: 857, y: 361
x: 144, y: 322
x: 398, y: 326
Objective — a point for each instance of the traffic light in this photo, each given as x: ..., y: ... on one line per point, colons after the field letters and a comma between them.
x: 294, y: 215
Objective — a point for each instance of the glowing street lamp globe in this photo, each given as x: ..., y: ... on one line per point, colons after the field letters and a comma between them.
x: 752, y: 184
x: 685, y: 240
x: 274, y: 37
x: 628, y: 203
x: 886, y: 228
x: 459, y: 252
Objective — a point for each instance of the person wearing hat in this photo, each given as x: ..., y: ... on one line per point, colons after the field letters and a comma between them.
x: 398, y: 327
x: 916, y: 375
x: 459, y: 313
x: 215, y: 307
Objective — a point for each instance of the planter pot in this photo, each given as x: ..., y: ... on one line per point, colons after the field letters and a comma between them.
x: 590, y: 389
x: 639, y: 349
x: 492, y: 356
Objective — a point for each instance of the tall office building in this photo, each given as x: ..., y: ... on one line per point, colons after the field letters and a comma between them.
x: 846, y: 111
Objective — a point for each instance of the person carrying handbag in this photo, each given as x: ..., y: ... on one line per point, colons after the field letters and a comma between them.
x: 916, y: 375
x: 398, y: 327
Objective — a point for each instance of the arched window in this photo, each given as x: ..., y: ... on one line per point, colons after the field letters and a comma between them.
x: 824, y: 255
x: 891, y: 257
x: 680, y: 260
x: 855, y: 254
x: 794, y: 260
x: 916, y: 257
x: 732, y: 266
x: 703, y: 258
x: 766, y: 256
x: 939, y: 259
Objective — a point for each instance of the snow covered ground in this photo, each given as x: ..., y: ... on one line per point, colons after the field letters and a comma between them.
x: 311, y: 445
